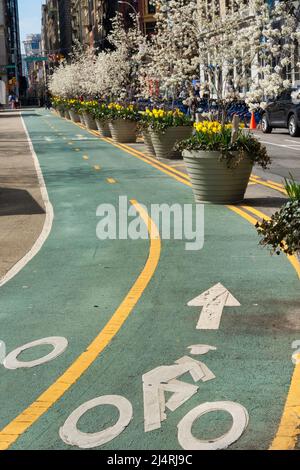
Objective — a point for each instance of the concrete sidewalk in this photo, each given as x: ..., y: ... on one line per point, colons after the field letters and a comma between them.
x: 21, y: 206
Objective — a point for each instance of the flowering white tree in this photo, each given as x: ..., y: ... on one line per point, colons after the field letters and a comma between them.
x: 250, y: 51
x: 175, y: 53
x: 130, y: 47
x: 77, y: 77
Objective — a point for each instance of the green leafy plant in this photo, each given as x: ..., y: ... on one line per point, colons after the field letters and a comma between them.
x: 282, y: 231
x: 292, y: 188
x: 214, y: 136
x: 102, y: 112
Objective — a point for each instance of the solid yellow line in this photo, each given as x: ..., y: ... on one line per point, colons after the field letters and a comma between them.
x: 288, y: 431
x: 256, y: 212
x: 243, y: 214
x: 276, y: 184
x: 154, y: 160
x: 154, y: 163
x: 28, y: 417
x: 273, y: 186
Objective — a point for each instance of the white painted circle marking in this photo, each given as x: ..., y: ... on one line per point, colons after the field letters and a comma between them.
x: 72, y: 436
x: 59, y: 346
x: 240, y: 419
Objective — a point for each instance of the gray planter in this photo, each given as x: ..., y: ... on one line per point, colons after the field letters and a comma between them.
x: 61, y: 112
x: 89, y: 121
x: 74, y: 116
x: 212, y: 181
x: 82, y: 119
x: 103, y: 128
x: 164, y: 142
x: 148, y: 143
x: 123, y: 131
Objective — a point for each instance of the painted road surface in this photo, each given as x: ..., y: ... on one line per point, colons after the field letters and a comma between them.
x: 77, y: 283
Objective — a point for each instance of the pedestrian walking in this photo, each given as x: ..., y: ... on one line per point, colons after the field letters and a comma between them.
x: 12, y: 101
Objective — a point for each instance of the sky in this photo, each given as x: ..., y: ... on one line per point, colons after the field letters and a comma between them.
x: 30, y: 17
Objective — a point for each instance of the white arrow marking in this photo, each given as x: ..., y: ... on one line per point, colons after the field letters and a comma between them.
x: 213, y: 301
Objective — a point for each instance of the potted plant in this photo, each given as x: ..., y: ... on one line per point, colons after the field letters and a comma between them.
x: 219, y: 160
x: 59, y: 105
x: 88, y: 109
x: 123, y: 122
x: 143, y: 127
x: 101, y: 115
x: 165, y: 129
x: 282, y: 231
x: 74, y: 107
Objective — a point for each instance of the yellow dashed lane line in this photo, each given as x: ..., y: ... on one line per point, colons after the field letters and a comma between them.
x: 111, y: 180
x: 28, y: 417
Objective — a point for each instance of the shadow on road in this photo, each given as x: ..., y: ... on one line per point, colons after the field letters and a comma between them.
x: 18, y: 202
x: 272, y: 202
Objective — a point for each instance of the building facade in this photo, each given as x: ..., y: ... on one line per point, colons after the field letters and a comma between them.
x: 10, y: 49
x: 88, y: 22
x: 214, y: 9
x: 3, y: 55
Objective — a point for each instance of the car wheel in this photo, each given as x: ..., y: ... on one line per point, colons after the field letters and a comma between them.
x: 294, y: 130
x: 266, y: 128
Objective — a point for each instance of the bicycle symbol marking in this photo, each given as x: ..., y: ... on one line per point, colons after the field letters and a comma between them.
x: 156, y: 383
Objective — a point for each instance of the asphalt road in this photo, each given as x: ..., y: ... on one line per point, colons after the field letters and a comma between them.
x: 285, y: 153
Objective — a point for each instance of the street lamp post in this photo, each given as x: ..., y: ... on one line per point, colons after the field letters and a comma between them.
x: 123, y: 2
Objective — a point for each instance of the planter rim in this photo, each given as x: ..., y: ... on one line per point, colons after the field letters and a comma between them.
x: 201, y: 154
x: 163, y: 131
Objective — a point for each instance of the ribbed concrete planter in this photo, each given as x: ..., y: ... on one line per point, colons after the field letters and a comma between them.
x: 164, y: 142
x: 89, y: 121
x: 61, y: 112
x: 123, y: 130
x: 74, y: 116
x: 212, y: 181
x: 103, y: 128
x: 148, y: 143
x: 82, y: 119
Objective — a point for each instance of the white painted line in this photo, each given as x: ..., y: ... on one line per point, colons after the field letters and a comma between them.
x: 199, y: 349
x: 240, y: 419
x: 71, y: 435
x: 48, y: 218
x: 278, y: 145
x: 59, y: 344
x: 213, y: 301
x: 293, y: 141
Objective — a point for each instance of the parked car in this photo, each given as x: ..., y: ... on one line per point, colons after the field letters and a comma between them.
x: 283, y: 113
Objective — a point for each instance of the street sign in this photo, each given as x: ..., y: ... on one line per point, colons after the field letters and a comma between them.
x: 10, y: 66
x: 36, y: 59
x: 213, y: 301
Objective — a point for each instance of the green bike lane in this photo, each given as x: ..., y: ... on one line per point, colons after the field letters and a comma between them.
x: 76, y: 282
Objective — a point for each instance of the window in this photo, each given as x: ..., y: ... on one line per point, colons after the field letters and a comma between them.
x: 150, y: 8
